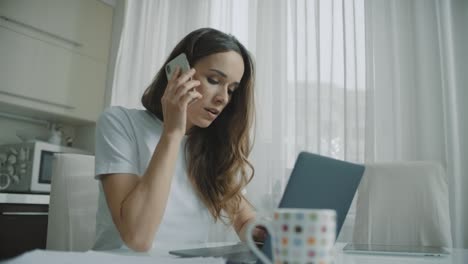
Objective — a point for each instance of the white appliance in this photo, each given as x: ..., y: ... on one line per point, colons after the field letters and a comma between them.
x: 27, y: 167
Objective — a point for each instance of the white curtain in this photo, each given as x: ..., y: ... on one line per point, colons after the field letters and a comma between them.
x: 416, y: 80
x: 310, y: 90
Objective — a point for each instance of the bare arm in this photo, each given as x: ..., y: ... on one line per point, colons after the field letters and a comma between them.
x: 137, y: 204
x: 246, y: 216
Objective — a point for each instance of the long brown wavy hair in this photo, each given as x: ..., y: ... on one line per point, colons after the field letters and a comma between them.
x: 217, y: 156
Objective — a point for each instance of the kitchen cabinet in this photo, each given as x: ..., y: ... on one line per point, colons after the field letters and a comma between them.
x: 54, y: 56
x: 23, y: 228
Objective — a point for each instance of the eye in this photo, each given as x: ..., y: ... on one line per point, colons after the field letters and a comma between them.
x: 212, y: 81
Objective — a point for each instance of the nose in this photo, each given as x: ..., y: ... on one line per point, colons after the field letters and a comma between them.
x: 222, y: 96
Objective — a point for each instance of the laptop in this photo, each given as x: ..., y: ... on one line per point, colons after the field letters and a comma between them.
x: 316, y: 182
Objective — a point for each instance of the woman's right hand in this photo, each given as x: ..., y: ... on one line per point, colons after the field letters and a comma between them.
x: 178, y: 94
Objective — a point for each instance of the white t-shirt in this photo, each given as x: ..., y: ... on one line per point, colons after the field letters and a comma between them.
x: 125, y: 142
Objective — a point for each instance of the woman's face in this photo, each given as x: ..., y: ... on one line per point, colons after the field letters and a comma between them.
x: 219, y: 75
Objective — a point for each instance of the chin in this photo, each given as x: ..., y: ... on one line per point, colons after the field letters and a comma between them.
x: 203, y: 123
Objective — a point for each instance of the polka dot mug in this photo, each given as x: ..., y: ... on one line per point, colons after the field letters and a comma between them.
x: 298, y: 236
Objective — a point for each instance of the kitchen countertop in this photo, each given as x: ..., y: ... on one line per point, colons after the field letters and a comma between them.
x: 21, y: 198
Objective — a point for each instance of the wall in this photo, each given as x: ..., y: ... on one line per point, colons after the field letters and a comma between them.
x: 10, y: 128
x: 85, y: 137
x: 117, y: 25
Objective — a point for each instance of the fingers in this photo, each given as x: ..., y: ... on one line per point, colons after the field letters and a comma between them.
x: 180, y: 89
x: 190, y: 97
x: 184, y: 88
x: 185, y: 76
x: 260, y: 233
x: 179, y: 79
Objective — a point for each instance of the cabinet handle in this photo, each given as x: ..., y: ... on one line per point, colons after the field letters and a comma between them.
x: 72, y: 42
x: 25, y: 213
x: 37, y: 100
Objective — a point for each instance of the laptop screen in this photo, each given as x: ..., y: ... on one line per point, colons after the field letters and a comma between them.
x: 319, y: 182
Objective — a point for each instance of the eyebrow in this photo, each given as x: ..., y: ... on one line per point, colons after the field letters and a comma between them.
x: 223, y: 75
x: 219, y: 72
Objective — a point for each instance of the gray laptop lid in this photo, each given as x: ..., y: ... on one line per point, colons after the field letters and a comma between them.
x: 319, y: 182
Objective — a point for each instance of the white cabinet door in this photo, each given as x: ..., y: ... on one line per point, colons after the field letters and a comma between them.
x: 81, y: 25
x: 87, y: 86
x: 34, y: 70
x: 53, y: 56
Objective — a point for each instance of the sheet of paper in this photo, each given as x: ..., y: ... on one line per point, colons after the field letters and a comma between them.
x: 94, y: 257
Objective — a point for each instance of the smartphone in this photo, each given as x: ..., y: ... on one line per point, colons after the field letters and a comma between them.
x: 181, y: 61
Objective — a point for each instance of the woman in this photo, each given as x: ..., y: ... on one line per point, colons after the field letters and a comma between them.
x: 169, y: 170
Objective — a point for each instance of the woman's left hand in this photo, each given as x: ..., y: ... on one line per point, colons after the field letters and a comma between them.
x: 259, y: 234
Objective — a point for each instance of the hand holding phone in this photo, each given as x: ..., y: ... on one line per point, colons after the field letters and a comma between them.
x: 180, y: 92
x: 182, y: 63
x: 179, y: 61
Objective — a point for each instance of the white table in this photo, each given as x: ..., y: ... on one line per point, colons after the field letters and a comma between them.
x: 457, y: 256
x: 160, y: 255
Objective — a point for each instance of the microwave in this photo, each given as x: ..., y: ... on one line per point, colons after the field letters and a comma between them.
x: 27, y: 167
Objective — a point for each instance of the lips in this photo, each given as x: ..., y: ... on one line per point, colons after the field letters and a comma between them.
x: 214, y: 111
